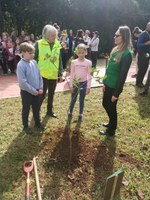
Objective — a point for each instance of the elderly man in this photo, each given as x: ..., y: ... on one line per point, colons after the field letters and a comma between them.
x: 143, y: 45
x: 47, y: 54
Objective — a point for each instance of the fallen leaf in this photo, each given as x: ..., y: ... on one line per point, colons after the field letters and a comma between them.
x: 125, y: 182
x: 141, y: 194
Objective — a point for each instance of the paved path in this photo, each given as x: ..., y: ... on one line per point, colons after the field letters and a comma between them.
x: 9, y: 84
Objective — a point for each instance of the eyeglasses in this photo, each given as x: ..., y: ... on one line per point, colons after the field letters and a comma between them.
x: 117, y: 35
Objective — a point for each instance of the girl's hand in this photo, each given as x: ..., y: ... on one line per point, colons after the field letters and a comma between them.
x: 103, y: 88
x: 87, y: 91
x: 113, y: 99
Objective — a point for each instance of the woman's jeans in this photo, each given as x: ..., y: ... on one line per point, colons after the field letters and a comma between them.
x: 81, y: 89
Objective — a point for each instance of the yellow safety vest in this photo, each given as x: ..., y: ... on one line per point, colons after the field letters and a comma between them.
x: 48, y: 60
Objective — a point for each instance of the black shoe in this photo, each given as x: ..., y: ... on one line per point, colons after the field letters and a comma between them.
x: 69, y: 116
x: 52, y: 114
x: 40, y: 126
x: 143, y: 94
x: 80, y: 118
x: 108, y: 132
x: 140, y: 85
x: 105, y: 125
x: 28, y: 131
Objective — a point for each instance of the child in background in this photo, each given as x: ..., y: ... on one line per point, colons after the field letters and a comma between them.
x: 10, y: 51
x: 17, y: 50
x: 80, y: 79
x: 64, y: 41
x: 31, y: 85
x: 2, y: 57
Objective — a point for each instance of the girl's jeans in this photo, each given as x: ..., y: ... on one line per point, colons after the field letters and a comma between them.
x: 79, y: 88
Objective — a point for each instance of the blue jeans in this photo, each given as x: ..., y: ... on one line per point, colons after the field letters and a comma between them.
x: 79, y: 88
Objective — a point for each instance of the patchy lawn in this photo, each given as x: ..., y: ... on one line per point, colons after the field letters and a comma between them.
x: 73, y: 159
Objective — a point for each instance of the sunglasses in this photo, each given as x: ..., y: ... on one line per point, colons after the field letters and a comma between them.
x: 117, y: 35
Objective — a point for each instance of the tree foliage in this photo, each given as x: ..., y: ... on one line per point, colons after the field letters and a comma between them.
x: 102, y: 15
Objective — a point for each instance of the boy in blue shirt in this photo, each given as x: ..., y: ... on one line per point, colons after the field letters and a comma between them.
x: 31, y: 86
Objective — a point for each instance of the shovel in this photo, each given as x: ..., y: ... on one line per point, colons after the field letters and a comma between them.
x: 27, y: 167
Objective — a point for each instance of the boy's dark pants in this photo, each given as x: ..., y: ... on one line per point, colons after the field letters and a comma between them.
x: 110, y: 107
x: 27, y: 101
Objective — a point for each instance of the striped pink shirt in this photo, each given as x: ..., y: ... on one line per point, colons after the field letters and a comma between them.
x: 81, y: 71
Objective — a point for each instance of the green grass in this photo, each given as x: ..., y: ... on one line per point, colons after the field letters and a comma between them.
x: 73, y: 159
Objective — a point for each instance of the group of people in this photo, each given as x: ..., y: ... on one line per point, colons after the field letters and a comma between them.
x: 36, y: 77
x: 70, y: 41
x: 10, y: 46
x: 10, y: 49
x: 40, y: 66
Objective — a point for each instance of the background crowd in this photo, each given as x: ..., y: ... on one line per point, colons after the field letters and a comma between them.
x: 10, y: 46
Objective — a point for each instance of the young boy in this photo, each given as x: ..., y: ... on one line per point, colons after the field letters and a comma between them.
x: 31, y: 85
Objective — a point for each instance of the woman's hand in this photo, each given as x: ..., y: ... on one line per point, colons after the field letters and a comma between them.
x: 113, y: 99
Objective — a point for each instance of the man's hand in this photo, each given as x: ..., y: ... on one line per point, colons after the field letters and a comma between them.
x: 147, y: 43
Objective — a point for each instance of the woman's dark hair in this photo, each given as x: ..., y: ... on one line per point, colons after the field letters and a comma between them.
x: 137, y: 30
x: 80, y: 33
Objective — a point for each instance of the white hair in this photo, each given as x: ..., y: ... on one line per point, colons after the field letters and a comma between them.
x: 48, y: 30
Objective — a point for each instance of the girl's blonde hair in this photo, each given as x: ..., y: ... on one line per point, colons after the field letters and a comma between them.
x: 81, y: 46
x: 125, y: 33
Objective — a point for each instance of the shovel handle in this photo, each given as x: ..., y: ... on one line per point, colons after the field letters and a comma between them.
x: 27, y: 197
x: 37, y: 179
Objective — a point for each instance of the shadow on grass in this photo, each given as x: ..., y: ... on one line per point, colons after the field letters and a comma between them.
x: 62, y: 160
x: 103, y: 166
x: 143, y: 103
x: 23, y: 148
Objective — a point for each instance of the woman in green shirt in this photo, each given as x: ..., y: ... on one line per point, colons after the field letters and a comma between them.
x: 116, y: 73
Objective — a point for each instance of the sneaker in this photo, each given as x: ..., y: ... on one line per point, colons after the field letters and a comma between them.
x: 140, y: 85
x: 51, y: 114
x: 28, y: 131
x: 105, y: 124
x: 80, y: 118
x: 40, y: 126
x: 108, y: 132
